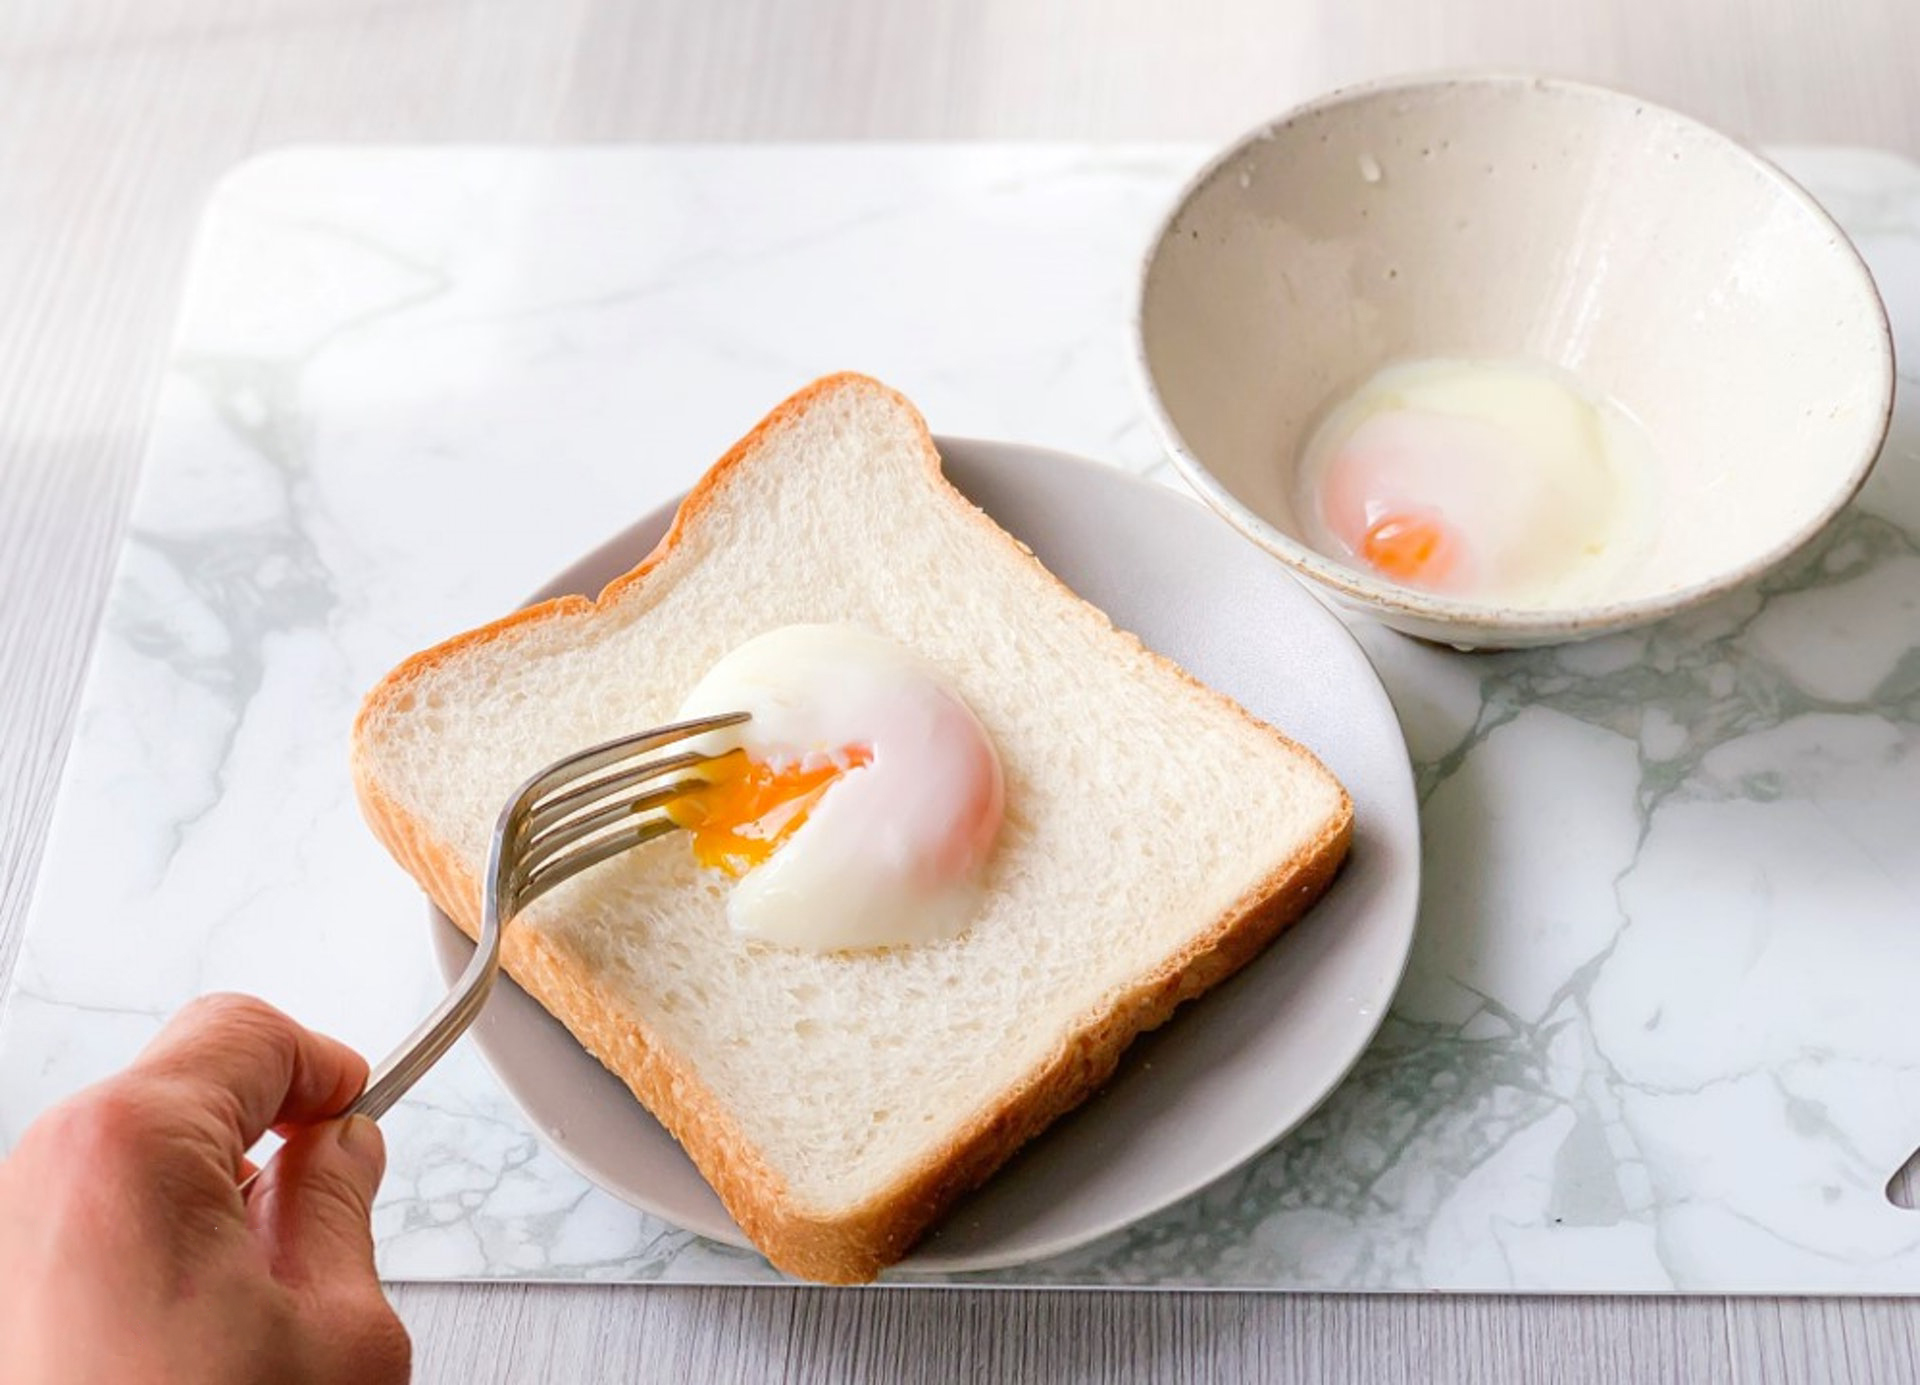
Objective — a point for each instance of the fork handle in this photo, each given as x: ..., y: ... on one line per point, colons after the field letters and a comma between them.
x: 437, y: 1033
x: 428, y: 1043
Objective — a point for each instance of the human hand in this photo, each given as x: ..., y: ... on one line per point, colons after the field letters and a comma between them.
x: 127, y: 1253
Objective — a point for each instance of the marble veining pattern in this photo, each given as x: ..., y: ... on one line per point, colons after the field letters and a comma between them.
x: 1656, y: 1033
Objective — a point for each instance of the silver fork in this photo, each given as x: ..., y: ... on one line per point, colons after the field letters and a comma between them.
x: 574, y: 814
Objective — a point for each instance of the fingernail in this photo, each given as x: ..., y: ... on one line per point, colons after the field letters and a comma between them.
x: 361, y: 1139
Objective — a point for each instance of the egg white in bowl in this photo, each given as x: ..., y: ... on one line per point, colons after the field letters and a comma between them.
x: 1665, y: 274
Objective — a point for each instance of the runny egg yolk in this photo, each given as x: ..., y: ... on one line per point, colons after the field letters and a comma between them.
x: 1416, y: 548
x: 747, y: 809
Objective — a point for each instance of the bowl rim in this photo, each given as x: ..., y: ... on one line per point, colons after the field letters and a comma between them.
x: 1528, y: 624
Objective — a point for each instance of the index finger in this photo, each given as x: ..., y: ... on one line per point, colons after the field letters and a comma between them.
x: 250, y: 1067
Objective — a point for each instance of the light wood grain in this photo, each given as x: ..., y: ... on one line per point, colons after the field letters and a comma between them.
x: 116, y: 116
x: 517, y: 1333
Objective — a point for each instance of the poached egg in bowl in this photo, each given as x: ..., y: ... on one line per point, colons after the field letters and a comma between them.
x: 1495, y: 481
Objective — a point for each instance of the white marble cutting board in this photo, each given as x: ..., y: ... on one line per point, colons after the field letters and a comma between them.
x: 1659, y: 1030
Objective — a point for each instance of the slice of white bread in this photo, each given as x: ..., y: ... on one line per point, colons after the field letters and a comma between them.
x: 1156, y: 838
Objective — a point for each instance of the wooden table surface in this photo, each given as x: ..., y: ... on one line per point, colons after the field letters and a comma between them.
x: 117, y: 115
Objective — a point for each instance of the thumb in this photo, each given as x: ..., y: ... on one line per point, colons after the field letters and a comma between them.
x: 314, y: 1205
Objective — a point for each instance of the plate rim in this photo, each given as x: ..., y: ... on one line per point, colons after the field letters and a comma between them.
x: 450, y: 946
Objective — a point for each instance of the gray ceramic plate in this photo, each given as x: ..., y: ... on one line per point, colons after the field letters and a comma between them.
x: 1231, y: 1073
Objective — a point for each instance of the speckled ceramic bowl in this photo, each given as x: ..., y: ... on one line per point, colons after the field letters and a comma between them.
x: 1665, y: 266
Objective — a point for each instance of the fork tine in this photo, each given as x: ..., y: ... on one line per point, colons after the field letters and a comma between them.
x: 569, y: 862
x: 555, y: 810
x: 543, y: 844
x: 563, y: 774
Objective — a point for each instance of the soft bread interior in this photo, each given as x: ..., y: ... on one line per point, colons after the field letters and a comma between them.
x: 1141, y: 808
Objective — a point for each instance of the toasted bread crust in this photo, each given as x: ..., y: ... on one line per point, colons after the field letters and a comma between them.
x: 856, y: 1246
